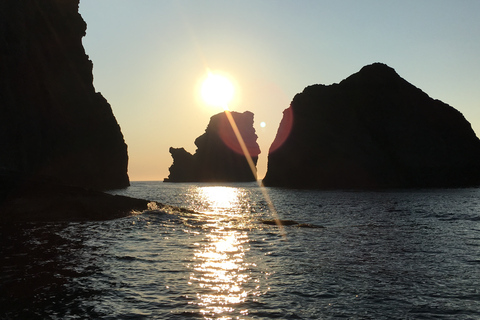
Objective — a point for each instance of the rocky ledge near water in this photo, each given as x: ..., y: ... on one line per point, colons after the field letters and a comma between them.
x: 36, y: 201
x: 372, y: 130
x: 53, y: 125
x: 219, y: 157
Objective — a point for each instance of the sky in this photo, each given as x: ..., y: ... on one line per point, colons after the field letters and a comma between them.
x: 149, y: 57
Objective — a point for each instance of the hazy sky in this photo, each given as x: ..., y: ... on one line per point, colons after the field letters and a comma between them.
x: 149, y: 56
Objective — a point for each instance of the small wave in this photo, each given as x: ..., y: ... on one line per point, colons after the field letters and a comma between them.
x: 159, y: 208
x: 473, y: 261
x: 274, y: 222
x: 126, y: 258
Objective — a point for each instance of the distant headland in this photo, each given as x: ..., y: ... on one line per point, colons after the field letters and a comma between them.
x: 372, y: 130
x: 219, y: 157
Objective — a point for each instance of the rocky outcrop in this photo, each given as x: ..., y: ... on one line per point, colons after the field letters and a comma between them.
x: 41, y: 201
x: 219, y: 157
x: 44, y: 201
x: 53, y: 125
x: 372, y: 130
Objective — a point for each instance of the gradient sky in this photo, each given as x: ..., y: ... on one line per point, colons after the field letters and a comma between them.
x: 149, y: 56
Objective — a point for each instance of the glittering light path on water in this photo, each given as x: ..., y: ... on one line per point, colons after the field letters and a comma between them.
x: 220, y: 270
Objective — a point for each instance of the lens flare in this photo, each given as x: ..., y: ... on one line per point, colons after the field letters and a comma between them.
x: 249, y: 159
x: 283, y: 130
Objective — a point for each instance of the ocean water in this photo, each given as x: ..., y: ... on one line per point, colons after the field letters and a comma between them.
x: 400, y: 254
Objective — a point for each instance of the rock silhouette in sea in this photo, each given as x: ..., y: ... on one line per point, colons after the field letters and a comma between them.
x: 53, y: 125
x: 219, y: 157
x: 372, y: 130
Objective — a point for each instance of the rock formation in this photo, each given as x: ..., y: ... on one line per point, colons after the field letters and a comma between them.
x: 372, y: 130
x: 219, y: 157
x: 53, y: 125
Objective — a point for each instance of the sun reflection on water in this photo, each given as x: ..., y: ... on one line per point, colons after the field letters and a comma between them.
x: 220, y: 270
x: 220, y: 198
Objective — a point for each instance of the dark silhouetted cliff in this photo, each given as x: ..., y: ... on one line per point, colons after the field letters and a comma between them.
x: 53, y: 125
x: 372, y: 130
x: 219, y: 157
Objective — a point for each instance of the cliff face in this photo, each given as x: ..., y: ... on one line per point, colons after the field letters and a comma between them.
x: 219, y: 157
x: 53, y: 125
x: 372, y: 130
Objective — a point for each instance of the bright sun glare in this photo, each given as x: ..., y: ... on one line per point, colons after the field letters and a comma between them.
x: 217, y: 90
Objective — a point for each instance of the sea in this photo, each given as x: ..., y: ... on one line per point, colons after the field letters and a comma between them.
x: 344, y: 254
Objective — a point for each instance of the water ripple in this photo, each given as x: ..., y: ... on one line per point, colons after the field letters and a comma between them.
x: 381, y: 255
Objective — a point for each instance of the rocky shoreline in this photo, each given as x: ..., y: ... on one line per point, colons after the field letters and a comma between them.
x: 47, y: 202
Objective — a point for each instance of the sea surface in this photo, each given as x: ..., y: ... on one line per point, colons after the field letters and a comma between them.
x: 399, y: 254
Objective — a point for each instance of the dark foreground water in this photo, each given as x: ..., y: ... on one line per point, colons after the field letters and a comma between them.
x: 381, y: 255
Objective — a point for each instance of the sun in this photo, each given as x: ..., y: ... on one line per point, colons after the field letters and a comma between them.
x: 217, y: 90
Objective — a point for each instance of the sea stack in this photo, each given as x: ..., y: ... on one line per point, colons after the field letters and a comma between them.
x: 372, y: 130
x: 53, y: 125
x: 219, y: 157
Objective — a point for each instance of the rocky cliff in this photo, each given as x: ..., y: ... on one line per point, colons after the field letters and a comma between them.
x: 219, y: 157
x: 53, y: 125
x: 372, y: 130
